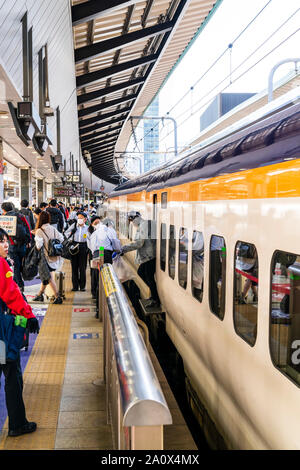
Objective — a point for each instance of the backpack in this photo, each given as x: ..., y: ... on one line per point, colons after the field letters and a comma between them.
x: 22, y: 236
x: 55, y: 247
x: 30, y: 264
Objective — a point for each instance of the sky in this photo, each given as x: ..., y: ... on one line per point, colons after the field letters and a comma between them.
x: 261, y: 33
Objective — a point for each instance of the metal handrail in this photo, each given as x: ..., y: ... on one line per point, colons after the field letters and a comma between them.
x: 142, y: 400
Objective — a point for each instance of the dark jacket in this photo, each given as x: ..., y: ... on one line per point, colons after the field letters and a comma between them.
x: 56, y: 218
x: 29, y: 217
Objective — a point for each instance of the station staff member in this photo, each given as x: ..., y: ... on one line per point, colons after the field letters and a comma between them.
x: 78, y: 232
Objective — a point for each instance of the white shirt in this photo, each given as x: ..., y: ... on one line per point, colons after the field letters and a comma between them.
x: 81, y: 234
x: 104, y: 237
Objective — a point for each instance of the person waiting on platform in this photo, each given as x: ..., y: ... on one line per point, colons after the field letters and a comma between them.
x: 78, y: 232
x: 43, y: 233
x: 57, y: 219
x: 106, y: 238
x: 19, y: 242
x: 11, y: 298
x: 95, y: 221
x: 145, y: 246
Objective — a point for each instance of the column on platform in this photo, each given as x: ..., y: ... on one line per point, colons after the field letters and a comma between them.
x: 40, y: 190
x: 25, y: 185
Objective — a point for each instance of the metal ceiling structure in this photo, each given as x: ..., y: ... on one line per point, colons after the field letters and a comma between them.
x: 124, y: 50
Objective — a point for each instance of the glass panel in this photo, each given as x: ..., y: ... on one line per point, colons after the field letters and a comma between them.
x: 285, y: 314
x: 197, y: 265
x: 163, y: 246
x: 172, y: 251
x: 183, y: 257
x: 246, y: 291
x: 217, y: 275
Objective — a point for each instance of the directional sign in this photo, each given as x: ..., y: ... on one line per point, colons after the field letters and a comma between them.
x: 82, y: 309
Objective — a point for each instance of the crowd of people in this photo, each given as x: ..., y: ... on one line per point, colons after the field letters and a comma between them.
x: 54, y: 221
x: 35, y: 230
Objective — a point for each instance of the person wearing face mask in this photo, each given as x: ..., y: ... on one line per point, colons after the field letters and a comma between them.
x: 79, y: 261
x: 145, y: 245
x: 105, y: 237
x: 95, y: 221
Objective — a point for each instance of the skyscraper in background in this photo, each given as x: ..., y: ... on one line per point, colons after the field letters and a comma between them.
x: 151, y: 137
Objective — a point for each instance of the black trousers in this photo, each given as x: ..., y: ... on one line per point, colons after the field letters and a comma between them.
x: 79, y: 263
x: 94, y: 281
x: 14, y: 394
x: 146, y: 271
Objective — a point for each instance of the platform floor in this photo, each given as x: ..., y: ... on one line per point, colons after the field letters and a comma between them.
x: 63, y: 383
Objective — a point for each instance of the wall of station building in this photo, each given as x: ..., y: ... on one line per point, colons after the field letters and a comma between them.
x: 51, y: 24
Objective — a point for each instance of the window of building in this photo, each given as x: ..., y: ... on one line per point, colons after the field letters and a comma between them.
x: 164, y: 200
x: 163, y: 246
x: 285, y: 314
x: 245, y: 291
x: 217, y: 275
x: 197, y: 265
x: 172, y: 251
x: 183, y: 257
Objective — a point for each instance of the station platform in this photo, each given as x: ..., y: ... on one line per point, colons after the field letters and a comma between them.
x: 64, y: 391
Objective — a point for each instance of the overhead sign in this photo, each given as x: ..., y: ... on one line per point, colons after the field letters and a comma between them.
x: 9, y: 224
x: 67, y: 191
x: 73, y: 178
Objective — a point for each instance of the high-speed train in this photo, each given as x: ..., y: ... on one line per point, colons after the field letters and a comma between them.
x: 227, y: 218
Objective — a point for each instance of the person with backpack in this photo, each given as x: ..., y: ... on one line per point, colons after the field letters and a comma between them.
x: 57, y: 218
x: 11, y: 298
x: 27, y: 213
x: 19, y: 242
x: 44, y: 233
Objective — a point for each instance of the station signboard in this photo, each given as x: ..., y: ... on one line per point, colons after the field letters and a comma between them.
x: 69, y: 191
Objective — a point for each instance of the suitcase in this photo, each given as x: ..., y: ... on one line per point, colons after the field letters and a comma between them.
x: 59, y: 278
x: 60, y: 283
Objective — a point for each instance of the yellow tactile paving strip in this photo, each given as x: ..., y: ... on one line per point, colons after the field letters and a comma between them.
x: 44, y: 376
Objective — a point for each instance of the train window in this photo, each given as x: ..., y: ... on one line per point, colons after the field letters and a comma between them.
x: 183, y: 257
x: 163, y: 246
x: 154, y: 207
x: 217, y: 275
x: 172, y: 251
x: 197, y: 265
x: 245, y: 291
x: 164, y: 200
x: 285, y: 314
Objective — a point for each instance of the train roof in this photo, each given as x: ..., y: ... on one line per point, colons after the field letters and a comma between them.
x: 270, y: 135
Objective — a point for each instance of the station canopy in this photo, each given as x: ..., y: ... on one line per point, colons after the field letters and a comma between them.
x: 124, y: 50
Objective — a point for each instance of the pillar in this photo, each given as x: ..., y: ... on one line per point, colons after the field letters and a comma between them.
x: 40, y: 191
x: 25, y: 185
